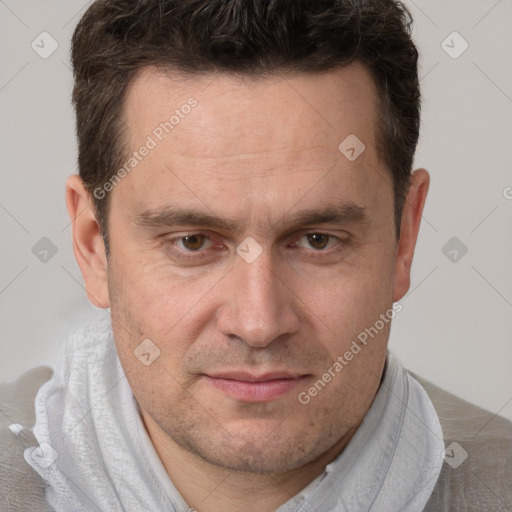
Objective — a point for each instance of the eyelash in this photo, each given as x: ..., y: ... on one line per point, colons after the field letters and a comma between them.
x: 189, y: 255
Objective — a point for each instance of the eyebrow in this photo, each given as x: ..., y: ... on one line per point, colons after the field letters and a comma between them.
x: 169, y: 216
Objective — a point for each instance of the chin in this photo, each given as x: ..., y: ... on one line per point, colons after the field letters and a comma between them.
x: 260, y: 451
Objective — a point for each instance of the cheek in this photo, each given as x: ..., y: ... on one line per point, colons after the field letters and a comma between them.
x: 144, y: 307
x: 149, y: 301
x: 351, y: 295
x: 346, y: 312
x: 154, y: 294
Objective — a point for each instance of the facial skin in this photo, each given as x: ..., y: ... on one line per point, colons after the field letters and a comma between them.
x: 258, y: 155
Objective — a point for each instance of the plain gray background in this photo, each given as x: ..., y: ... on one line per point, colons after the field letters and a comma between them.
x: 455, y: 327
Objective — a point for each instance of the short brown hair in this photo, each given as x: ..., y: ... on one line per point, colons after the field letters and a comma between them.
x: 117, y: 38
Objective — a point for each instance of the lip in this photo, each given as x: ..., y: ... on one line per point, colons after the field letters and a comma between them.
x: 250, y: 387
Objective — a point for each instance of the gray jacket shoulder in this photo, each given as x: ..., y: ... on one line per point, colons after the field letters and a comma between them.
x: 476, y: 474
x: 21, y: 488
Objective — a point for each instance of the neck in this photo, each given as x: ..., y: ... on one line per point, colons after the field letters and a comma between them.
x: 209, y: 488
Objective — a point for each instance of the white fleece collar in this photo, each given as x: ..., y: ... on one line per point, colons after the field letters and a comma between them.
x: 95, y: 455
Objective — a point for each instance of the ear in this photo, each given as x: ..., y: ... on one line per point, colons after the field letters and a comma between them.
x: 410, y: 226
x: 88, y: 243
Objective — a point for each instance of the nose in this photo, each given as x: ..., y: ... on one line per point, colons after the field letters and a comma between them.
x: 259, y: 304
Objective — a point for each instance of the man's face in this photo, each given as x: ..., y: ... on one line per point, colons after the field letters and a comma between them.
x: 242, y: 337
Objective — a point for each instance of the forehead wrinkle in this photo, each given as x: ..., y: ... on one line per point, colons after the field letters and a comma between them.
x: 212, y: 170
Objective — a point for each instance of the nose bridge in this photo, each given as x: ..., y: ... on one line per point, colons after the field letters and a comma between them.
x: 259, y: 309
x: 259, y: 284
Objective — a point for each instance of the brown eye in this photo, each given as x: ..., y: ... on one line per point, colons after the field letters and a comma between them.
x: 318, y: 240
x: 193, y: 242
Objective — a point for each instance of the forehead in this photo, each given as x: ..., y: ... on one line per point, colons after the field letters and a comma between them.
x: 277, y: 128
x: 265, y: 114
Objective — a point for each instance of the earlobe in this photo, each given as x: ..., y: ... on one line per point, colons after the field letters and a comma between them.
x: 410, y: 226
x: 88, y: 243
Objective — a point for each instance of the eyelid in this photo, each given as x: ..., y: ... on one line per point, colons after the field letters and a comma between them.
x: 184, y: 255
x: 169, y: 242
x: 180, y: 236
x: 303, y: 233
